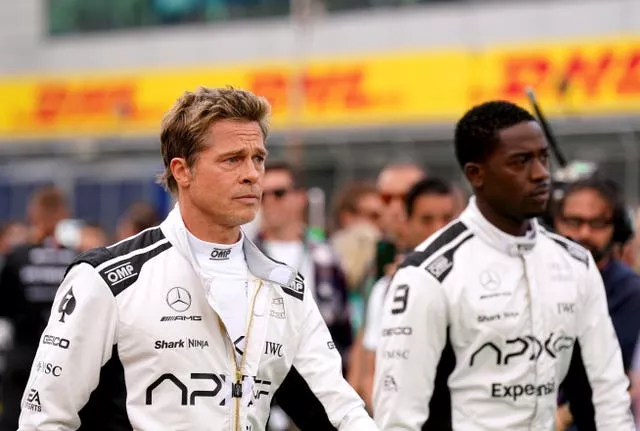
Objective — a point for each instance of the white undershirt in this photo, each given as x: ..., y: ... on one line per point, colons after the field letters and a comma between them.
x: 224, y: 271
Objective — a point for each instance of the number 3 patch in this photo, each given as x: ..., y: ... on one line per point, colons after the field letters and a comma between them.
x: 400, y: 297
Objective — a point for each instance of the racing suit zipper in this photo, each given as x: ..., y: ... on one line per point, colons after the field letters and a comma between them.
x: 236, y: 386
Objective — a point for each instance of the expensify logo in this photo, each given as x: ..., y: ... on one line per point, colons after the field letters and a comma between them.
x: 499, y: 390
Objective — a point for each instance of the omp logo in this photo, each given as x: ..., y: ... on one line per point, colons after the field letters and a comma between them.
x: 33, y: 401
x: 520, y: 346
x: 273, y: 349
x: 439, y: 266
x: 498, y: 390
x: 63, y: 343
x: 220, y: 254
x: 120, y: 273
x: 400, y: 330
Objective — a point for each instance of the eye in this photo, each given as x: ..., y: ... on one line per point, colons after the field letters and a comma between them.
x: 233, y: 159
x: 259, y: 159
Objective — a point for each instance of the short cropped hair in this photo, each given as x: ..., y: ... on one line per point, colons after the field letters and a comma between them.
x: 608, y: 190
x: 185, y: 126
x: 283, y: 165
x: 476, y: 134
x: 426, y: 187
x: 141, y: 215
x: 348, y: 197
x: 49, y: 199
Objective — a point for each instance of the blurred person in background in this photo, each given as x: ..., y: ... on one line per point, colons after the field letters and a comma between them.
x: 13, y: 234
x: 490, y: 315
x: 357, y: 203
x: 283, y: 237
x: 430, y: 205
x: 28, y: 283
x: 593, y: 214
x: 393, y: 184
x: 92, y: 235
x: 138, y: 217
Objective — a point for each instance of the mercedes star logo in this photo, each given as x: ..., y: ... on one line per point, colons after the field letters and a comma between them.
x: 179, y: 299
x: 489, y: 280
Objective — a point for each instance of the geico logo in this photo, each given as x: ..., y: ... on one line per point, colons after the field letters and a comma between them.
x: 63, y: 343
x: 498, y: 390
x: 400, y: 330
x: 121, y: 272
x: 182, y: 318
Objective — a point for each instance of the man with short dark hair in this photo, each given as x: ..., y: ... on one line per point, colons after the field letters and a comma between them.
x: 593, y: 214
x: 484, y: 321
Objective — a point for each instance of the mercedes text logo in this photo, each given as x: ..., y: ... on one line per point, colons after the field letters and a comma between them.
x: 489, y: 280
x: 179, y: 299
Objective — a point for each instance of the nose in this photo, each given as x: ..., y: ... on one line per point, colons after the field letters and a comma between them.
x: 540, y: 170
x: 252, y: 172
x: 583, y: 232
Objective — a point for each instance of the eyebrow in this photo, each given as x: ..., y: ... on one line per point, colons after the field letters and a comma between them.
x: 260, y: 151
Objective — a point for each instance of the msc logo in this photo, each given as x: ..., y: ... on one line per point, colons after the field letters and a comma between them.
x: 396, y: 354
x: 120, y: 273
x: 273, y: 349
x: 179, y: 299
x: 63, y: 343
x: 400, y: 330
x: 525, y: 345
x: 220, y: 254
x: 49, y: 368
x: 33, y: 401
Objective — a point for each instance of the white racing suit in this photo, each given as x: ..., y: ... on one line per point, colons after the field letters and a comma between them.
x: 133, y: 344
x: 480, y: 328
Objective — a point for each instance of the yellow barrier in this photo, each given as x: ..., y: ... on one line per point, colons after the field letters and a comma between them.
x: 584, y: 78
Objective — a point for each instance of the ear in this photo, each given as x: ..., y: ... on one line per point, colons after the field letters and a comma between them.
x: 475, y: 174
x: 181, y: 171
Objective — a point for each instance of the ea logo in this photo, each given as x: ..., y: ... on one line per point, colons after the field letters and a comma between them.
x: 179, y: 299
x: 489, y: 280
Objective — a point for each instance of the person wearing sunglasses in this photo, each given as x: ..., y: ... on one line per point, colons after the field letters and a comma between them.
x: 283, y: 236
x: 593, y: 214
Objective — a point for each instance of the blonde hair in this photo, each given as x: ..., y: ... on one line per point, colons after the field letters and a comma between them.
x: 185, y: 126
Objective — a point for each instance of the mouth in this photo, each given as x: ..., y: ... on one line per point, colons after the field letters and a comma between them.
x: 250, y: 197
x: 541, y: 193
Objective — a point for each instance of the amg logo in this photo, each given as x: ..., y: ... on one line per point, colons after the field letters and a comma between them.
x: 180, y: 344
x: 274, y: 349
x: 120, y: 273
x: 498, y: 390
x: 220, y: 254
x: 183, y: 318
x: 566, y: 307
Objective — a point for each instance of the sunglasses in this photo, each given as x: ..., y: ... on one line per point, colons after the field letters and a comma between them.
x: 387, y: 198
x: 277, y: 193
x: 596, y: 224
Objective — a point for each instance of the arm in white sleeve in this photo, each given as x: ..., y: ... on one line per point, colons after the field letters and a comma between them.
x: 602, y: 358
x: 315, y: 393
x: 76, y: 343
x: 414, y: 334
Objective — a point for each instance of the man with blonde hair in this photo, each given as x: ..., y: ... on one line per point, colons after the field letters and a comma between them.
x: 188, y: 325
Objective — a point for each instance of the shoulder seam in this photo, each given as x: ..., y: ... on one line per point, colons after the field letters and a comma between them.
x: 575, y: 250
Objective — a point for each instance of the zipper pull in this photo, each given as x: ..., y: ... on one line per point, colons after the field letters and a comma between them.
x: 236, y: 388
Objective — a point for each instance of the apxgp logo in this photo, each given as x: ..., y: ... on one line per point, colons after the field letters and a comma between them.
x: 527, y: 345
x: 220, y: 254
x: 67, y: 305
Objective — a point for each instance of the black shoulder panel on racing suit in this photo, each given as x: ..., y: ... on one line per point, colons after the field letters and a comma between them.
x: 129, y: 256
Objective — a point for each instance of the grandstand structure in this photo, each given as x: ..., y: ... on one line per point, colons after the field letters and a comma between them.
x: 354, y: 84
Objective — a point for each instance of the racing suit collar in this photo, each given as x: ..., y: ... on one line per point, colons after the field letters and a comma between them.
x: 258, y: 263
x: 485, y: 230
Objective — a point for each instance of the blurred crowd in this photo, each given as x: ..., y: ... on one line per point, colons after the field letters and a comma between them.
x: 372, y: 226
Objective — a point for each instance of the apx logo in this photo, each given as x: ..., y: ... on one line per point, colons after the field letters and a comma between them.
x: 67, y: 305
x: 179, y: 299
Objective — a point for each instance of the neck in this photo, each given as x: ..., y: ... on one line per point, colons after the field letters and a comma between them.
x: 289, y: 232
x: 506, y: 224
x: 602, y: 263
x: 204, y: 229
